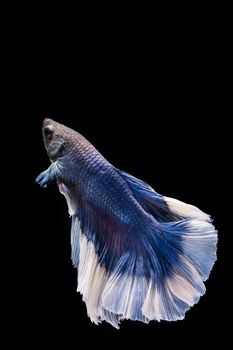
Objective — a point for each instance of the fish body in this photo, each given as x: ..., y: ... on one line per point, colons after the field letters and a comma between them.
x: 139, y: 255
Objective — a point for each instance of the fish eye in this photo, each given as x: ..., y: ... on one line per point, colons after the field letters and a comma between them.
x: 48, y: 132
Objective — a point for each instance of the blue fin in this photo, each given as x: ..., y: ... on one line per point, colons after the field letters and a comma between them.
x: 49, y: 175
x: 197, y: 243
x: 167, y: 279
x: 156, y: 273
x: 164, y: 209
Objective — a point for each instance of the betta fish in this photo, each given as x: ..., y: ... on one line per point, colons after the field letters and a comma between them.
x: 139, y: 255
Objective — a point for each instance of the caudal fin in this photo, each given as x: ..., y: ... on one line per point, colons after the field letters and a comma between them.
x: 174, y: 263
x: 153, y: 270
x: 188, y: 253
x: 169, y: 281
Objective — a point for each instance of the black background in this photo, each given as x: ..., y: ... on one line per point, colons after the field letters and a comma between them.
x: 158, y: 111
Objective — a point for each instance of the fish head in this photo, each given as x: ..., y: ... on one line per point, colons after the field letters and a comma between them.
x: 55, y: 136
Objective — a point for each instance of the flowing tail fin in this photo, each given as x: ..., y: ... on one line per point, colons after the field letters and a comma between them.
x: 152, y: 271
x: 175, y: 263
x: 169, y: 281
x: 188, y: 253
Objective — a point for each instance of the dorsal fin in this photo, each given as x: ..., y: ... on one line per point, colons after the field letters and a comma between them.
x: 163, y: 209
